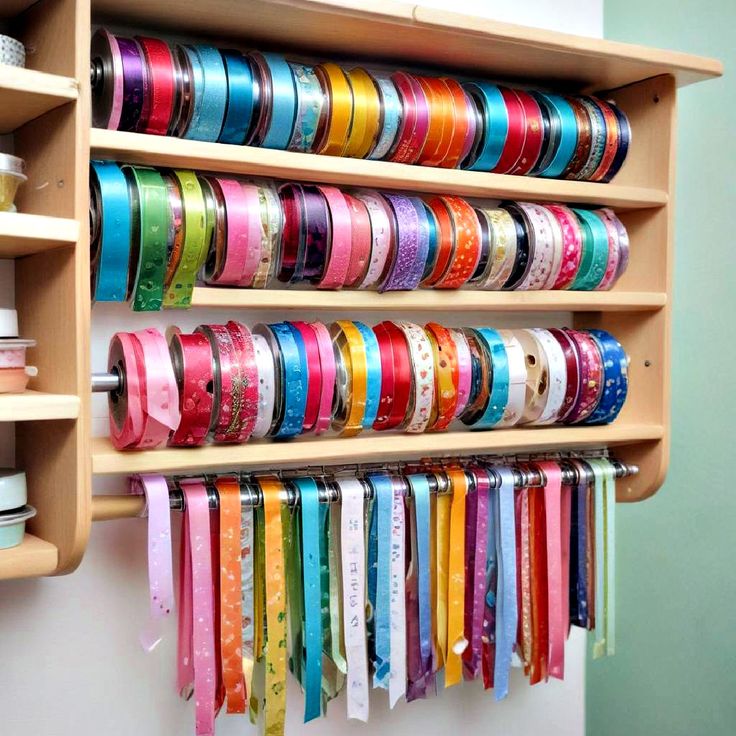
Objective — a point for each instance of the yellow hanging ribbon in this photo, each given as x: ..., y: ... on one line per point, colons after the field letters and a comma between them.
x: 456, y: 641
x: 275, y: 645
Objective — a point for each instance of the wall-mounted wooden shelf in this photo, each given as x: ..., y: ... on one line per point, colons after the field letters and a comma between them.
x: 159, y: 151
x: 22, y: 234
x: 32, y: 558
x: 373, y: 446
x: 25, y: 94
x: 49, y: 115
x: 429, y: 300
x: 37, y: 405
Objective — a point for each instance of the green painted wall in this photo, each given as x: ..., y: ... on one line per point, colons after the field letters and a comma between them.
x: 674, y: 671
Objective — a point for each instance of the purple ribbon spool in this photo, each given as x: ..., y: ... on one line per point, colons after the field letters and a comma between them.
x: 133, y: 83
x: 406, y: 270
x: 317, y: 227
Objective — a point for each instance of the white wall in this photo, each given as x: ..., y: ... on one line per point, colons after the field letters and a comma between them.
x: 69, y: 658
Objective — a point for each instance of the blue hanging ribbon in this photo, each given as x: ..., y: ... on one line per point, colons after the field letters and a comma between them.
x: 506, y: 608
x: 382, y: 510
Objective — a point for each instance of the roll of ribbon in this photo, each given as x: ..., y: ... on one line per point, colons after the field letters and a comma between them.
x: 590, y: 369
x: 110, y: 215
x: 615, y: 378
x: 240, y: 98
x: 107, y: 80
x: 210, y: 93
x: 495, y: 127
x: 158, y: 107
x: 194, y: 249
x: 352, y: 378
x: 499, y: 396
x: 294, y: 379
x: 423, y: 377
x: 192, y: 361
x: 150, y: 228
x: 444, y: 352
x: 134, y: 83
x: 146, y: 410
x: 341, y: 242
x: 283, y: 101
x: 334, y: 138
x: 392, y: 115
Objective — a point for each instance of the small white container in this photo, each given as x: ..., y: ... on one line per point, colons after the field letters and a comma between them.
x: 13, y: 489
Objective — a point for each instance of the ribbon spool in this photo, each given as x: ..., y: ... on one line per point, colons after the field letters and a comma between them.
x: 107, y: 81
x: 145, y: 408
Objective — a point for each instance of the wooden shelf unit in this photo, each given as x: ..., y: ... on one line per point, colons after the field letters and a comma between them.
x: 52, y: 284
x: 48, y: 237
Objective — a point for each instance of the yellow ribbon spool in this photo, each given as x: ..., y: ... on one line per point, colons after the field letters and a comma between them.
x: 338, y: 89
x: 366, y: 114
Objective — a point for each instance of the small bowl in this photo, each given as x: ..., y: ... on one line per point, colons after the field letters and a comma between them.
x: 11, y: 177
x: 13, y: 490
x: 15, y: 380
x: 13, y: 526
x: 13, y: 352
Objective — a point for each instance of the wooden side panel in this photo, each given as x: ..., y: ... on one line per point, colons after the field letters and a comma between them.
x: 647, y: 336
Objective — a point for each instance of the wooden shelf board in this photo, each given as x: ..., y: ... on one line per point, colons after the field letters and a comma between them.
x: 25, y: 94
x: 165, y: 151
x: 33, y: 557
x: 430, y: 300
x: 36, y: 405
x: 375, y: 446
x: 22, y: 234
x: 402, y: 32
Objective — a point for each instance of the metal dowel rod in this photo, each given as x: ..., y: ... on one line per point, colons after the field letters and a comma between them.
x: 109, y: 507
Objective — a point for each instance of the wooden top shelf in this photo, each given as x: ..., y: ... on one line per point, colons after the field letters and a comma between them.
x: 32, y: 558
x: 404, y: 33
x: 25, y: 94
x: 22, y: 234
x: 430, y: 300
x: 35, y: 405
x: 163, y: 151
x: 373, y: 446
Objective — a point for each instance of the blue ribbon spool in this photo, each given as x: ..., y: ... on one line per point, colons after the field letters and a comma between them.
x: 495, y: 125
x: 615, y: 378
x: 115, y: 233
x: 568, y: 135
x: 240, y: 99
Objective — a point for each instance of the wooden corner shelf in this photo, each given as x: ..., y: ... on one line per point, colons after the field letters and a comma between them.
x: 25, y: 94
x: 373, y: 446
x: 38, y: 405
x: 32, y: 558
x: 22, y: 234
x: 154, y: 150
x: 464, y: 300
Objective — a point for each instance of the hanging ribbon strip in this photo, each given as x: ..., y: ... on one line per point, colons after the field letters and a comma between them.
x: 160, y: 574
x: 384, y: 579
